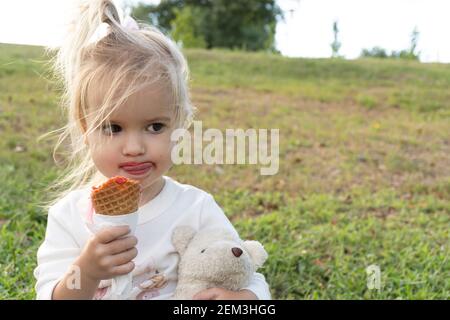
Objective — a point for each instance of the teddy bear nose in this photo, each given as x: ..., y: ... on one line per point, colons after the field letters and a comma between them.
x: 237, y: 252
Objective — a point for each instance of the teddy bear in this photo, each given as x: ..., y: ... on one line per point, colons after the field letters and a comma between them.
x: 214, y: 257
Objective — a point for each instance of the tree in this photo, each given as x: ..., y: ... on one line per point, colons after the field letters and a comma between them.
x: 243, y: 24
x: 184, y: 28
x: 409, y: 54
x: 160, y: 15
x: 335, y: 45
x: 414, y: 40
x: 375, y: 52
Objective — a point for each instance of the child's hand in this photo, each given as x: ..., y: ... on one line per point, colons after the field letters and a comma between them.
x: 223, y: 294
x: 105, y: 256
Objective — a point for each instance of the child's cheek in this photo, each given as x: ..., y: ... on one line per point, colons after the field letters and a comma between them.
x: 105, y: 160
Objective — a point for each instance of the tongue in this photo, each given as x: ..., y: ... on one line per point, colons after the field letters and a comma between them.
x: 137, y: 168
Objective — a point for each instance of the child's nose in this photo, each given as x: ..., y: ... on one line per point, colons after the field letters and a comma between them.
x: 133, y: 146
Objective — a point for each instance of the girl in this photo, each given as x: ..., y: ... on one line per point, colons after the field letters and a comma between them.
x: 125, y: 92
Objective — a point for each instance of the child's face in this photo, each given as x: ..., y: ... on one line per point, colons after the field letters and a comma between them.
x: 139, y: 133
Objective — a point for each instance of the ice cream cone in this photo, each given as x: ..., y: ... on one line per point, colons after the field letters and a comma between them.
x: 117, y: 196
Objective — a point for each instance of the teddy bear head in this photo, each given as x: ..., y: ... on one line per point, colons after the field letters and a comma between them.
x: 217, y: 256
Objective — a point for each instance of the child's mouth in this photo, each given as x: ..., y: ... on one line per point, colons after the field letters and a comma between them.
x: 136, y: 169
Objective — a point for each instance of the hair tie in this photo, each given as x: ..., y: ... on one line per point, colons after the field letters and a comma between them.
x: 103, y: 29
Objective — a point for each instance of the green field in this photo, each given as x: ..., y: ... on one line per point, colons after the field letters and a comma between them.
x: 364, y: 172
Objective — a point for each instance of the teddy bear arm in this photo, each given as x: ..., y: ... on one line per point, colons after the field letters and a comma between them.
x: 186, y: 290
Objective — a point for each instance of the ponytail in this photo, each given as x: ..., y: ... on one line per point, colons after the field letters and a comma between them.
x: 87, y: 18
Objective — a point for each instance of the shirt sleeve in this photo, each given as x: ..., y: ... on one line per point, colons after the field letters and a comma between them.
x: 213, y: 216
x: 55, y: 255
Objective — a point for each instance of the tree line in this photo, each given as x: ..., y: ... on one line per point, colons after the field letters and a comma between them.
x: 237, y: 24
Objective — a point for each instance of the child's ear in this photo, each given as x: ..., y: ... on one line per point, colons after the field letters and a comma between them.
x: 257, y: 252
x: 181, y: 237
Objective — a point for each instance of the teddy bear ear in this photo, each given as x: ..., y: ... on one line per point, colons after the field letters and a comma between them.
x: 181, y: 237
x: 256, y: 251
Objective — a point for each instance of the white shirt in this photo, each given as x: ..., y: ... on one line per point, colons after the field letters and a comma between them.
x: 155, y: 274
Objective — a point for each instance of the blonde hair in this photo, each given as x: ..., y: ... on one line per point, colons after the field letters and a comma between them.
x: 130, y: 59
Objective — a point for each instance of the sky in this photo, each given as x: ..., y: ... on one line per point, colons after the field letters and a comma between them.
x: 306, y: 30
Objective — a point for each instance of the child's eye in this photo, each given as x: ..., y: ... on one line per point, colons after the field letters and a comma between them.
x: 111, y: 129
x: 157, y: 127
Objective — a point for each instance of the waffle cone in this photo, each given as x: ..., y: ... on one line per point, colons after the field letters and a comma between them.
x: 117, y: 196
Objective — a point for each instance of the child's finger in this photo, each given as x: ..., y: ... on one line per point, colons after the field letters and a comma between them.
x: 111, y: 233
x: 123, y: 269
x: 124, y: 257
x: 121, y: 245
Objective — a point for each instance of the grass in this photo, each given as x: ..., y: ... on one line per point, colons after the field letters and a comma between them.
x: 364, y: 169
